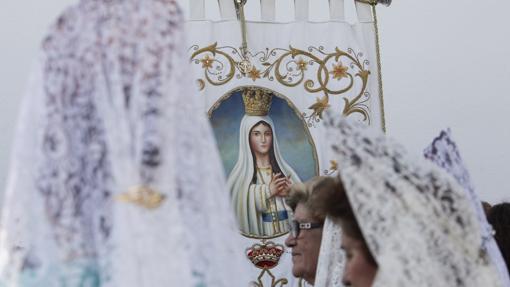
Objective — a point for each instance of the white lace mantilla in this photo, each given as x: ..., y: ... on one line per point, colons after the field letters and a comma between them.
x: 417, y: 221
x: 443, y: 151
x: 331, y: 256
x: 110, y: 109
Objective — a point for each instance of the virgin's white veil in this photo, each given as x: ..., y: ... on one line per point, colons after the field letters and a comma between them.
x: 115, y: 177
x: 240, y: 178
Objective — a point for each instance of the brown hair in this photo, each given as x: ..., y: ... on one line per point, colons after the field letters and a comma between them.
x: 332, y: 200
x: 486, y: 208
x: 305, y: 193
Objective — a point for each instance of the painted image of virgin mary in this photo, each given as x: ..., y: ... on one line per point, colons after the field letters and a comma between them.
x: 261, y: 177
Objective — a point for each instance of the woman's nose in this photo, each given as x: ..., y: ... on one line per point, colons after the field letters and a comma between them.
x: 345, y: 278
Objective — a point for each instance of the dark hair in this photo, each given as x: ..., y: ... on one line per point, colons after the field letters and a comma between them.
x: 486, y: 208
x: 333, y: 202
x: 499, y: 218
x: 272, y: 159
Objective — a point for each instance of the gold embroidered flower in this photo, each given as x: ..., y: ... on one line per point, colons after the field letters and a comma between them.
x: 254, y: 74
x: 364, y: 74
x: 301, y: 64
x: 207, y: 62
x: 320, y: 106
x: 339, y: 71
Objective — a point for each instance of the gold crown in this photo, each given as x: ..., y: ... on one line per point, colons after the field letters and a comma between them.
x: 265, y: 255
x: 257, y: 102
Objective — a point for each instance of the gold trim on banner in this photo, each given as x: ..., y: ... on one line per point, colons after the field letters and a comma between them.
x: 379, y: 68
x: 334, y: 73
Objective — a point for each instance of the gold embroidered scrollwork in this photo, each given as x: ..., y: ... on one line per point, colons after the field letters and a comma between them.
x: 332, y: 168
x: 329, y: 74
x: 214, y: 68
x: 274, y: 282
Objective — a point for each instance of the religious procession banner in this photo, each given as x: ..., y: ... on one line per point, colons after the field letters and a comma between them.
x: 266, y: 86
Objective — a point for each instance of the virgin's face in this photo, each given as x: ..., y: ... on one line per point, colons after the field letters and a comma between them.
x: 261, y: 139
x: 359, y: 270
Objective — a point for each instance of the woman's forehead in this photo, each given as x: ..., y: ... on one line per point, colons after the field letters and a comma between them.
x: 261, y: 127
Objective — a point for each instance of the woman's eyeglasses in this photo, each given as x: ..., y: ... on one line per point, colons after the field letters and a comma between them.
x: 296, y: 227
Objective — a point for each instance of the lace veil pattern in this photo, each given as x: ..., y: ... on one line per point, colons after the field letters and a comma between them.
x: 115, y: 178
x: 417, y: 220
x: 444, y: 152
x: 330, y: 266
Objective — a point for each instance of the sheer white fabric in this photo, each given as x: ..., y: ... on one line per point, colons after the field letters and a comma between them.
x: 443, y: 151
x: 110, y: 107
x: 331, y: 257
x: 416, y: 219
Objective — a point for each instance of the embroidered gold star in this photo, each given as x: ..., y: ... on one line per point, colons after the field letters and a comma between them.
x: 254, y: 74
x: 339, y: 71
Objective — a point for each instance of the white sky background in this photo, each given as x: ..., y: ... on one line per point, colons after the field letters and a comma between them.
x: 446, y: 63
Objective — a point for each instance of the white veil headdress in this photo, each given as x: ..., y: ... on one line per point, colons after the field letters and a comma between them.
x: 241, y: 175
x: 330, y: 266
x: 443, y: 151
x: 416, y: 220
x: 109, y: 109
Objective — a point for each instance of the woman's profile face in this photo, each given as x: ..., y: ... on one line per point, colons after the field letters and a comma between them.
x: 261, y: 139
x: 359, y: 270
